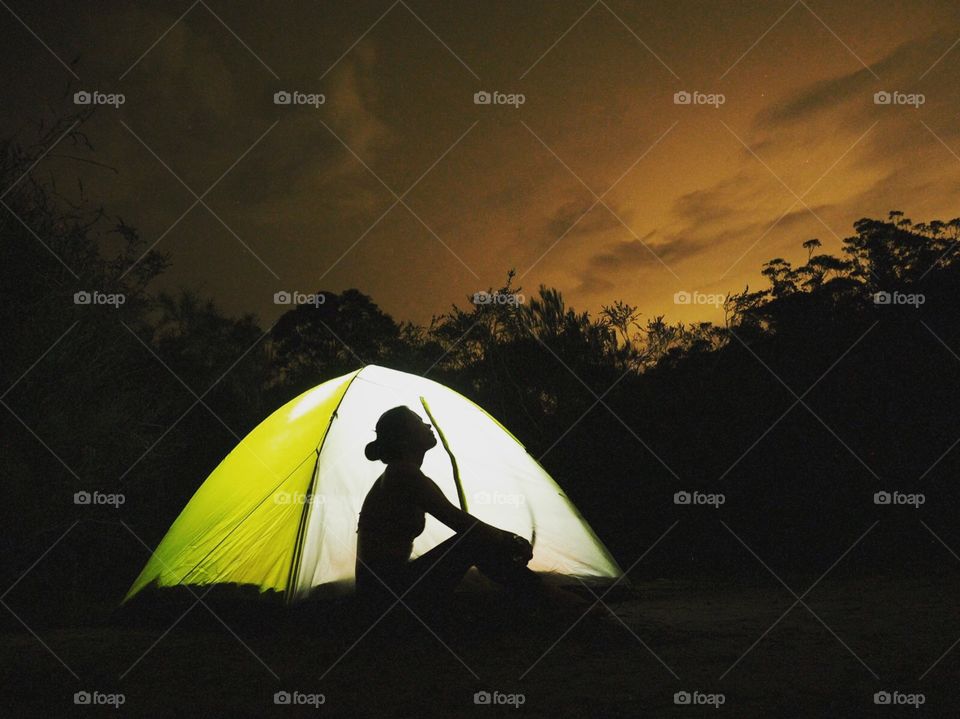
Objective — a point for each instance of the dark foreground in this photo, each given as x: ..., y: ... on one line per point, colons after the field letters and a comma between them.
x: 857, y: 638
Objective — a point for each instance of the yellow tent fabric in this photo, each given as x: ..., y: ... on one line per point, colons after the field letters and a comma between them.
x: 280, y: 511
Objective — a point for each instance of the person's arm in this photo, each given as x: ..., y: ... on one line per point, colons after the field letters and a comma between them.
x: 435, y: 502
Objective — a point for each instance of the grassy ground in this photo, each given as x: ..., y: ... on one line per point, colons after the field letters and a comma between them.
x: 674, y: 636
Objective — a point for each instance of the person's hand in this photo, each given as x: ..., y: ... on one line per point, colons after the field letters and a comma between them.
x: 521, y: 551
x: 511, y: 545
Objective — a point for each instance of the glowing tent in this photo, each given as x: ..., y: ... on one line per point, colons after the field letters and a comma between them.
x: 280, y: 511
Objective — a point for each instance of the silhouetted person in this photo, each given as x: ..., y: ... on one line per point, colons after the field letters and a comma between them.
x: 393, y: 515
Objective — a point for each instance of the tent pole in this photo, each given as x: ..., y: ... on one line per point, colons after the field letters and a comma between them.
x: 453, y: 460
x: 301, y: 531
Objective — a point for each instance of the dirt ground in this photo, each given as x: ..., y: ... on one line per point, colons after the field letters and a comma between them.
x: 721, y: 643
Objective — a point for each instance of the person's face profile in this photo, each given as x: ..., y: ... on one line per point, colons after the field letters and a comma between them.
x: 422, y: 431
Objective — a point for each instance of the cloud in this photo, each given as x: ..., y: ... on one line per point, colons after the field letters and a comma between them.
x: 903, y: 157
x: 818, y: 97
x: 353, y: 95
x: 323, y: 174
x: 593, y: 283
x: 802, y: 216
x: 630, y: 255
x: 569, y: 219
x: 642, y: 253
x: 702, y: 220
x: 899, y: 69
x: 711, y: 204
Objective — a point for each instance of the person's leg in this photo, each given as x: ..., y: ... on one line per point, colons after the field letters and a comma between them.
x: 439, y: 571
x: 497, y: 564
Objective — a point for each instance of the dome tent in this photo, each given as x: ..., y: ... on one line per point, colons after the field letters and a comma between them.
x: 280, y: 511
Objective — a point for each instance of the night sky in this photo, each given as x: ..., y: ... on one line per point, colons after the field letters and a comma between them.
x: 399, y: 184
